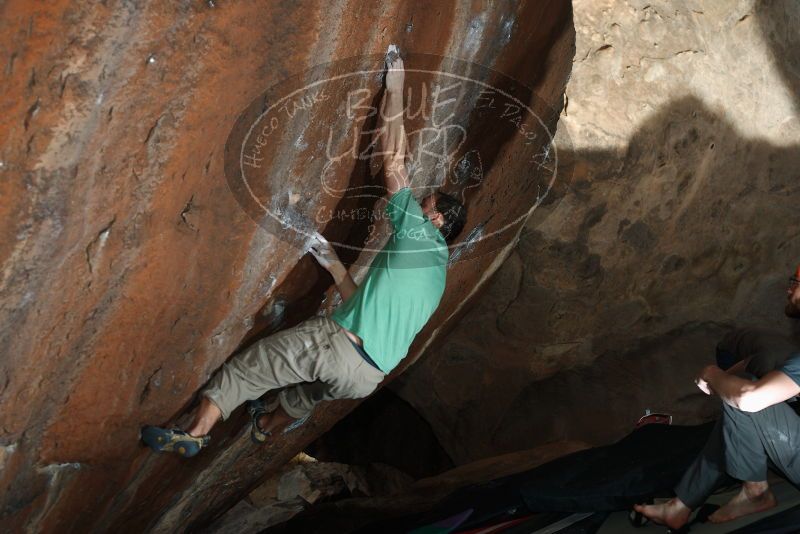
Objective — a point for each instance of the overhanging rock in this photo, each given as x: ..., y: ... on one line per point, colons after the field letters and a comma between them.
x: 129, y: 270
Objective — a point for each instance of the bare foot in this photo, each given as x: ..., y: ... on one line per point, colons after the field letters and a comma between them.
x: 672, y: 513
x: 754, y: 497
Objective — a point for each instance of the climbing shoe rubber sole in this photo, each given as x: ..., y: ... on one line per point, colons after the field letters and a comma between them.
x: 173, y: 440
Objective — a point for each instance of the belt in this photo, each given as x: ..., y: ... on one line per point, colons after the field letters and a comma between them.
x: 364, y: 354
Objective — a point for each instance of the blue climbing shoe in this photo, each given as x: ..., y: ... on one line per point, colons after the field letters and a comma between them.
x: 260, y: 407
x: 257, y: 408
x: 173, y: 440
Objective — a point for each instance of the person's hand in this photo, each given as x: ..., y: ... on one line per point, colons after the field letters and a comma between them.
x: 395, y: 76
x: 703, y: 385
x: 323, y: 252
x: 705, y: 377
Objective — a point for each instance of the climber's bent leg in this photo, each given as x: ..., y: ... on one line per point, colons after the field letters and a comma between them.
x: 342, y: 374
x: 288, y: 357
x: 316, y: 358
x: 345, y: 375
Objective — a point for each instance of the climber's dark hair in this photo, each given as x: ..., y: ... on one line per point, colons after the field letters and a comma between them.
x: 454, y: 213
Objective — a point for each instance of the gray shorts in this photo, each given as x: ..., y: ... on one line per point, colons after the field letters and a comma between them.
x: 315, y: 359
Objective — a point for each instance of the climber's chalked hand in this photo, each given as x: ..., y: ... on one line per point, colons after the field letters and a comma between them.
x: 323, y: 251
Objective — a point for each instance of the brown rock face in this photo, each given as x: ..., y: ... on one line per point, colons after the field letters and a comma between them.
x: 129, y: 270
x: 681, y: 220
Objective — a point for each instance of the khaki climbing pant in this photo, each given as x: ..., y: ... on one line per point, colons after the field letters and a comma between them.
x: 315, y: 359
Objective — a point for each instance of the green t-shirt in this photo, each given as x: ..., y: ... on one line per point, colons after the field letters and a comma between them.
x: 403, y: 286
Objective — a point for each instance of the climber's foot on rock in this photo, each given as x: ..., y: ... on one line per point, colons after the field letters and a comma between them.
x: 275, y: 422
x: 173, y: 440
x: 267, y: 419
x: 672, y: 513
x: 267, y: 424
x: 754, y: 497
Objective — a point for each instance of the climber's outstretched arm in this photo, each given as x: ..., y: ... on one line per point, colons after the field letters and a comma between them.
x: 324, y: 253
x: 394, y: 135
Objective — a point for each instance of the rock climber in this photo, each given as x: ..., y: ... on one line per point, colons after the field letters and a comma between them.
x: 348, y: 354
x: 757, y: 426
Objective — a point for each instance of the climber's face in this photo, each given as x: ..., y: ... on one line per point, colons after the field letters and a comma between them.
x: 428, y: 205
x: 793, y: 295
